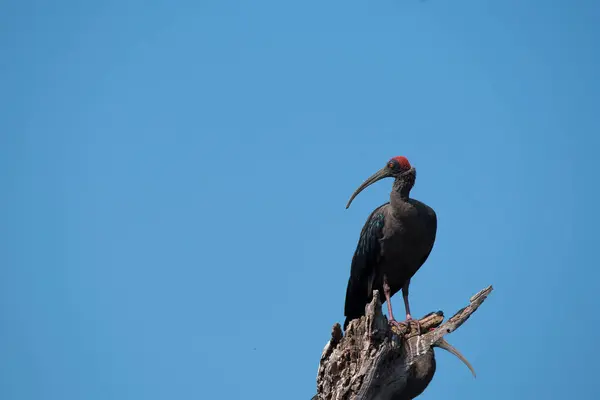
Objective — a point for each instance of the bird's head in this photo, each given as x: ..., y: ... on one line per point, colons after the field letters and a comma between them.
x: 397, y: 167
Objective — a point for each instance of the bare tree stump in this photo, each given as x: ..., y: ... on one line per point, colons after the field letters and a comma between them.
x: 374, y: 361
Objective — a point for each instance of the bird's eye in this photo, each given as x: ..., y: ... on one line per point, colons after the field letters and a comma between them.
x: 391, y: 165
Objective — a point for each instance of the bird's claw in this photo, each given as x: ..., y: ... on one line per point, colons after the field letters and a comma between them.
x: 395, y: 323
x: 400, y: 327
x: 405, y: 325
x: 416, y: 322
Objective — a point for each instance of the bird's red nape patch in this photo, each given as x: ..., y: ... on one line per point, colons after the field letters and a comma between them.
x: 403, y: 161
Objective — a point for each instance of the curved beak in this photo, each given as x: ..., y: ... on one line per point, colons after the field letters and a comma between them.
x: 382, y: 173
x: 448, y: 347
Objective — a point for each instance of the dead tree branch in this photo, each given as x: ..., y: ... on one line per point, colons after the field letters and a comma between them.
x: 373, y: 361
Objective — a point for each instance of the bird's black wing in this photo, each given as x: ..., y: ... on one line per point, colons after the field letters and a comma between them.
x: 366, y: 257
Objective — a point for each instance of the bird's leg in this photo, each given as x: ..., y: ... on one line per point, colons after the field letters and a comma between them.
x: 388, y: 300
x: 409, y: 318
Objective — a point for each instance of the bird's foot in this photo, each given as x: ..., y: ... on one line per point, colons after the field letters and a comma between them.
x: 400, y: 327
x: 405, y: 326
x: 410, y: 319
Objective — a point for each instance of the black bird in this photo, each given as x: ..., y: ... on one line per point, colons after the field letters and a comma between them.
x: 394, y: 243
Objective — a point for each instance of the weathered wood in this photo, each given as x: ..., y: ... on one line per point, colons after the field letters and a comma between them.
x: 374, y: 361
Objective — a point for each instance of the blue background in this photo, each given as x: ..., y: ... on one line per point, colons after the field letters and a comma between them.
x: 175, y: 175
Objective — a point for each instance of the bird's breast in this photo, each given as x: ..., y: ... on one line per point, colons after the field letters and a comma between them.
x: 407, y: 244
x: 407, y: 238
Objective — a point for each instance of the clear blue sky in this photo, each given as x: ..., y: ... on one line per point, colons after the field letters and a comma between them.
x: 176, y: 173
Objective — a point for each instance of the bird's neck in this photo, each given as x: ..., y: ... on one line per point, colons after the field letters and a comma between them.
x: 401, y: 191
x: 399, y: 197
